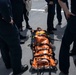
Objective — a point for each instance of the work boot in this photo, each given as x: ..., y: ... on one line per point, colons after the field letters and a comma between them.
x: 28, y: 27
x: 54, y: 29
x: 23, y: 69
x: 72, y: 53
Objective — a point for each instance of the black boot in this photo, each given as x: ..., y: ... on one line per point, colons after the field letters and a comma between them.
x: 54, y: 29
x: 50, y: 32
x: 23, y: 69
x: 72, y: 53
x: 28, y: 27
x: 22, y: 37
x: 59, y: 23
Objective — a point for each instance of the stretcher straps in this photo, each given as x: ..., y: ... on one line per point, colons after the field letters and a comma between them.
x: 44, y: 35
x: 44, y: 59
x: 42, y: 55
x: 42, y: 49
x: 40, y: 44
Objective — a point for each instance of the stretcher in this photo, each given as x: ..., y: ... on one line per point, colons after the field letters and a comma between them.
x: 42, y: 50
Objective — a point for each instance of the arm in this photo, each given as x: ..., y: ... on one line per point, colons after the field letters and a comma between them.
x: 65, y: 8
x: 5, y: 10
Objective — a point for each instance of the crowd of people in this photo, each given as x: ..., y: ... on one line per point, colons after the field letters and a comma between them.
x: 14, y: 12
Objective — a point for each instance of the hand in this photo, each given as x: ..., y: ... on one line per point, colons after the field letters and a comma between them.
x: 11, y: 22
x: 68, y: 14
x: 51, y: 2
